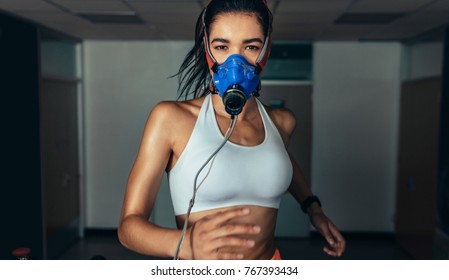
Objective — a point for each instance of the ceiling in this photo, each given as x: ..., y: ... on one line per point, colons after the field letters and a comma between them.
x: 293, y: 19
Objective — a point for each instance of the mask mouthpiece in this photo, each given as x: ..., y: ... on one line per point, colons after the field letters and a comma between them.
x: 234, y: 99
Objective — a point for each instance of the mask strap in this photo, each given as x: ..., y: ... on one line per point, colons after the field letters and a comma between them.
x: 209, y: 57
x: 212, y: 88
x: 257, y: 90
x: 263, y: 56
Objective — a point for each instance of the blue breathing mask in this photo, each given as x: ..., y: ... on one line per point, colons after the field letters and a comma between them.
x: 236, y: 80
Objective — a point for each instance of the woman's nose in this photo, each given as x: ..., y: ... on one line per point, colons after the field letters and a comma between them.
x: 236, y: 50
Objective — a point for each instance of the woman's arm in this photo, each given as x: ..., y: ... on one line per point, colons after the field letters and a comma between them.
x: 300, y: 190
x: 135, y: 231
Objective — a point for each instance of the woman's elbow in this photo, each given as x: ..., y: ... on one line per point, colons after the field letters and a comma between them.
x: 123, y: 232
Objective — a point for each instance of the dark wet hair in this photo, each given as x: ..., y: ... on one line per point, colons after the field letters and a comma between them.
x: 193, y: 75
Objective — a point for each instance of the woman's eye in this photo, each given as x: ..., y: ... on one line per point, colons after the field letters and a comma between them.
x: 254, y: 48
x: 220, y: 47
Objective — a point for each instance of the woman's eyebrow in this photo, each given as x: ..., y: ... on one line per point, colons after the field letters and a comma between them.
x: 249, y: 41
x: 220, y: 40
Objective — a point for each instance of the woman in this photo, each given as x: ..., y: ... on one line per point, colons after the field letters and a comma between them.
x: 233, y: 210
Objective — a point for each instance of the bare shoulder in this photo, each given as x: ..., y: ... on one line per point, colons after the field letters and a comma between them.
x: 284, y: 119
x: 175, y: 112
x: 170, y: 119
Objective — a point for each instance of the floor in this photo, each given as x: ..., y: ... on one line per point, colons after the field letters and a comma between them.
x: 105, y: 245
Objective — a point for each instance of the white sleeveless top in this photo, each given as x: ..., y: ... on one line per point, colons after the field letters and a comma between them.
x: 240, y: 175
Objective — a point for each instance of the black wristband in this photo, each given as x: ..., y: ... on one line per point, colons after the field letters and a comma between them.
x: 308, y: 201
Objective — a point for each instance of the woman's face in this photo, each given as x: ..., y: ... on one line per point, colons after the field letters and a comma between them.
x: 236, y: 33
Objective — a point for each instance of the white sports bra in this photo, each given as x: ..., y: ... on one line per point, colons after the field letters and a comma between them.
x: 240, y: 175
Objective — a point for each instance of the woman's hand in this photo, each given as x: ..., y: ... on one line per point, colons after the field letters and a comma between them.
x: 330, y: 232
x: 207, y: 236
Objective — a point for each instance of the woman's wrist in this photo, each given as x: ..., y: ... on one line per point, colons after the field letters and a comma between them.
x: 314, y: 209
x: 184, y: 249
x: 310, y: 203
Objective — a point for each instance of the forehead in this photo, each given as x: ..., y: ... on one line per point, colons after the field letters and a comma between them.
x: 235, y: 24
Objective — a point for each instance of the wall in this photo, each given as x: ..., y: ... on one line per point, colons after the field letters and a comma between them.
x: 423, y: 60
x: 355, y: 127
x: 354, y: 140
x: 123, y: 81
x: 297, y: 97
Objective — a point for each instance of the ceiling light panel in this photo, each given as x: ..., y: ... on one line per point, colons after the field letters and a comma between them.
x: 166, y: 7
x: 170, y: 19
x: 367, y: 18
x: 438, y: 6
x: 387, y: 6
x: 27, y: 5
x: 312, y: 6
x: 90, y: 6
x: 61, y: 18
x: 305, y: 18
x: 281, y: 29
x: 413, y: 25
